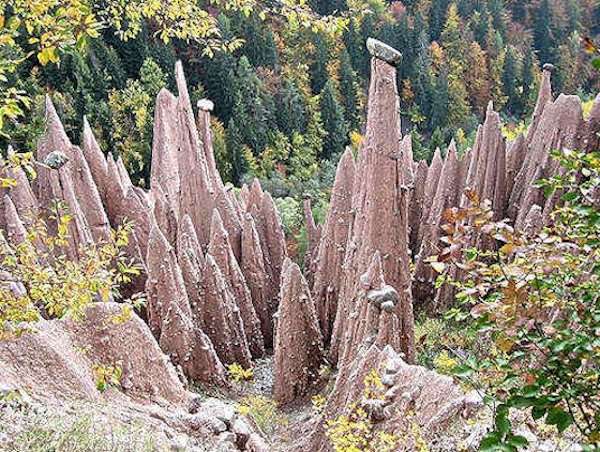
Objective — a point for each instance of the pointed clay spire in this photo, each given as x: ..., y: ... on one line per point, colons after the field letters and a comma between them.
x: 332, y: 247
x: 408, y: 177
x: 220, y: 249
x: 431, y: 185
x: 298, y: 340
x: 165, y: 166
x: 114, y: 191
x: 123, y: 174
x: 165, y: 214
x: 95, y: 158
x: 22, y: 196
x: 88, y: 197
x: 380, y: 204
x: 191, y: 262
x: 205, y: 106
x: 57, y: 184
x: 244, y: 196
x: 313, y: 233
x: 560, y: 125
x: 255, y: 195
x: 544, y: 98
x: 253, y: 268
x: 274, y: 237
x: 417, y: 204
x: 221, y: 318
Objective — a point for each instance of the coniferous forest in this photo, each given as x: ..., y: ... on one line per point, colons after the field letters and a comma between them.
x: 289, y: 87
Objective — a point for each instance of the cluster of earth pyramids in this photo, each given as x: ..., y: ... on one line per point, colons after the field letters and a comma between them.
x: 220, y: 286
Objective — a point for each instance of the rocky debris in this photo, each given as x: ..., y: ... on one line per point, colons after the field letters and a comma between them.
x: 332, y: 246
x: 380, y: 211
x: 298, y: 341
x: 149, y: 394
x: 220, y: 249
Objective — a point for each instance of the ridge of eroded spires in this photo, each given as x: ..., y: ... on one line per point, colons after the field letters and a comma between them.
x: 170, y: 315
x: 220, y: 249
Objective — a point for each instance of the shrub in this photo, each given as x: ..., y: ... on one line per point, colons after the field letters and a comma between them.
x: 238, y: 374
x: 536, y: 297
x: 354, y: 431
x: 263, y: 411
x: 40, y: 275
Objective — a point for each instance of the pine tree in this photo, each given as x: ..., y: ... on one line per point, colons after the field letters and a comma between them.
x: 259, y: 44
x: 518, y: 10
x: 439, y: 106
x: 332, y: 114
x: 574, y: 12
x: 573, y: 70
x: 327, y: 7
x: 455, y: 52
x: 422, y: 81
x: 318, y: 67
x: 496, y: 56
x: 348, y: 91
x: 235, y: 144
x: 438, y: 141
x: 477, y: 79
x: 359, y: 56
x: 528, y: 80
x: 480, y: 23
x: 453, y: 43
x: 509, y: 82
x: 218, y: 76
x: 253, y: 107
x: 437, y: 18
x: 497, y: 11
x: 543, y: 33
x: 291, y: 109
